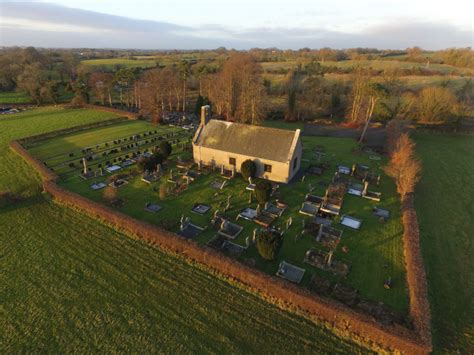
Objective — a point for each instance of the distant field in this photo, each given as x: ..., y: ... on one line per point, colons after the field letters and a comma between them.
x: 445, y: 206
x: 69, y: 284
x: 13, y: 97
x: 19, y: 97
x: 374, y: 64
x: 113, y: 62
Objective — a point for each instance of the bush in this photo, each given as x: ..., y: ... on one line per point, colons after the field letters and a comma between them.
x: 248, y: 169
x: 163, y: 191
x: 268, y: 244
x: 263, y: 190
x: 150, y: 163
x: 165, y: 149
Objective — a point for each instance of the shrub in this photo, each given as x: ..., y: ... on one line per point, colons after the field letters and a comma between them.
x: 165, y: 149
x: 268, y: 244
x: 163, y: 191
x: 149, y: 163
x: 263, y: 190
x: 248, y: 169
x: 110, y: 194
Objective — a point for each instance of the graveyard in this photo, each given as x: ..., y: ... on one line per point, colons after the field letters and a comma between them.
x: 359, y: 248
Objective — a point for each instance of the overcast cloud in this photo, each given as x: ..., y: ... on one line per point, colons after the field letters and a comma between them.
x: 50, y: 25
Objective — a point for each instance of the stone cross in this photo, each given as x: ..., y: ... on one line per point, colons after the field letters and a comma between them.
x: 84, y: 163
x: 366, y: 186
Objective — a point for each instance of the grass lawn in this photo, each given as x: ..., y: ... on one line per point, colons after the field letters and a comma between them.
x: 375, y: 252
x: 70, y: 284
x: 13, y: 97
x: 444, y: 202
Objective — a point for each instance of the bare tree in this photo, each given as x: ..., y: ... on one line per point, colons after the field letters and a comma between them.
x: 404, y: 167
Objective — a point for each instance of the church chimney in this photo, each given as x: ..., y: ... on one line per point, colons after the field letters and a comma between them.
x: 205, y: 114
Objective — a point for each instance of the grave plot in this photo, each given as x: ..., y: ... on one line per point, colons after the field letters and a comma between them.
x: 98, y: 185
x: 200, y: 208
x: 326, y: 235
x: 264, y: 219
x: 221, y: 243
x: 229, y: 230
x: 381, y: 213
x: 188, y: 229
x: 311, y: 205
x: 351, y: 222
x: 325, y: 261
x: 247, y: 213
x: 332, y: 201
x: 273, y: 210
x: 290, y: 272
x: 116, y: 183
x: 113, y: 168
x: 152, y: 207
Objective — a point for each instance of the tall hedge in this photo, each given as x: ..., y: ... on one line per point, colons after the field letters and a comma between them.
x: 268, y: 244
x: 263, y: 191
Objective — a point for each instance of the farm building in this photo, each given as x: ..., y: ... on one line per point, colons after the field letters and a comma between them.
x: 275, y: 152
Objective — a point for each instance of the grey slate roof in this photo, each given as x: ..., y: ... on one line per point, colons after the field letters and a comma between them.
x: 254, y: 141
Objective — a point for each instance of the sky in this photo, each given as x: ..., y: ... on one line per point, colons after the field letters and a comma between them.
x: 243, y: 24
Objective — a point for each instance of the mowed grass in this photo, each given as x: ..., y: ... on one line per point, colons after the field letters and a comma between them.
x: 375, y: 252
x: 445, y: 206
x: 15, y: 174
x: 70, y: 284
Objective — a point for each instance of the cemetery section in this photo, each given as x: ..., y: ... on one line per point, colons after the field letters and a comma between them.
x: 221, y: 211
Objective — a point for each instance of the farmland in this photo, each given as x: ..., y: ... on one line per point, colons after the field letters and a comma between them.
x: 13, y: 97
x: 375, y: 250
x: 444, y: 201
x: 114, y: 62
x: 71, y: 284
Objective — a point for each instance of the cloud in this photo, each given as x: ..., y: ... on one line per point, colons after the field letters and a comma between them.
x: 48, y: 25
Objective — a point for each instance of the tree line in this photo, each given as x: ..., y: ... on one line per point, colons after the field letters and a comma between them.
x: 238, y: 89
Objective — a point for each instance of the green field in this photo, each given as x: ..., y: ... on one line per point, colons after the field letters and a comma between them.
x: 114, y: 62
x: 444, y: 201
x: 374, y: 64
x: 375, y: 252
x: 13, y: 97
x: 70, y: 284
